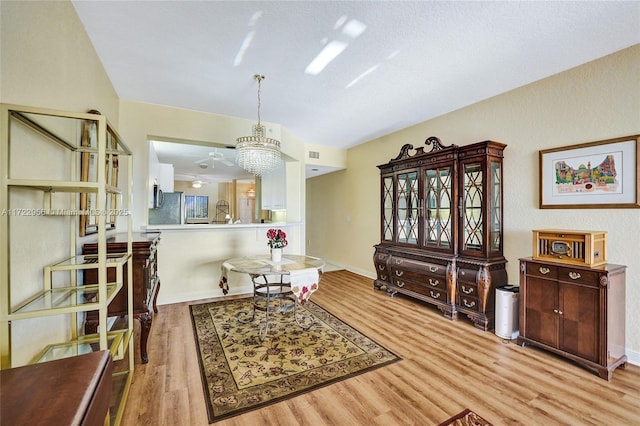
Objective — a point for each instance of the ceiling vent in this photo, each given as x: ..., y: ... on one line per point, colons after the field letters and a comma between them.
x: 314, y: 154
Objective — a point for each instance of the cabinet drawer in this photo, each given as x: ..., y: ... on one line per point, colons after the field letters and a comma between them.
x: 467, y: 275
x: 468, y: 302
x: 422, y: 267
x: 434, y: 293
x: 578, y: 276
x: 545, y: 271
x: 381, y: 257
x: 382, y: 275
x: 466, y: 289
x: 426, y: 279
x: 380, y: 263
x: 380, y: 260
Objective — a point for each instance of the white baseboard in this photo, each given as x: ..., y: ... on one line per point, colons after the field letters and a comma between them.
x: 194, y: 297
x: 633, y: 357
x: 335, y: 266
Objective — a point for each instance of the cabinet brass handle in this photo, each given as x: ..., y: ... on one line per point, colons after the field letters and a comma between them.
x: 556, y: 311
x: 383, y: 277
x: 574, y: 275
x: 469, y: 305
x: 434, y: 283
x: 466, y: 290
x: 399, y: 273
x: 382, y: 267
x: 544, y: 270
x: 434, y: 295
x: 400, y: 283
x: 433, y: 268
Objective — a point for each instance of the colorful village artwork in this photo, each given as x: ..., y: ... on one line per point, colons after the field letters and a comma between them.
x: 580, y: 177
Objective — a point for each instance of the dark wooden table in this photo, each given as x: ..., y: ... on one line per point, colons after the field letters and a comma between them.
x: 69, y: 391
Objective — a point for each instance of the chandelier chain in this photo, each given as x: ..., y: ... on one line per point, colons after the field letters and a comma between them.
x: 259, y: 79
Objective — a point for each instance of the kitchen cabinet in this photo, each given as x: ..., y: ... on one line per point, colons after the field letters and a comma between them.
x: 577, y: 312
x: 165, y: 177
x: 441, y: 228
x: 274, y: 189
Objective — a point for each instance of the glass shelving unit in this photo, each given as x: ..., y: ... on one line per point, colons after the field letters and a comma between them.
x: 59, y: 170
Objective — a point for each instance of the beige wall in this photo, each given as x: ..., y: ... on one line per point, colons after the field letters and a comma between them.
x: 48, y: 61
x: 592, y: 102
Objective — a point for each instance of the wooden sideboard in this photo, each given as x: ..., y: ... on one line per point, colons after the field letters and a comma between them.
x: 146, y: 283
x: 69, y: 391
x: 575, y: 311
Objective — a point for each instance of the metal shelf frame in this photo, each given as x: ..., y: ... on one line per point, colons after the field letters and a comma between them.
x: 61, y: 132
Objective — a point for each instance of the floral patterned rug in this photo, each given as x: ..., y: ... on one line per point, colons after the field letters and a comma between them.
x: 241, y: 372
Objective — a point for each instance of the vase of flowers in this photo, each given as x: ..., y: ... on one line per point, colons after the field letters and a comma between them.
x: 277, y: 240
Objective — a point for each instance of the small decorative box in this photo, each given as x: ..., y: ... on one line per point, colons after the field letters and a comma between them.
x: 587, y: 248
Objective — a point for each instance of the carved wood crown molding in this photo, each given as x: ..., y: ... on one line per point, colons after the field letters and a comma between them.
x: 431, y: 140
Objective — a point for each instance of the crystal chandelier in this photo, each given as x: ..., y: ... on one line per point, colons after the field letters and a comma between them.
x: 258, y: 154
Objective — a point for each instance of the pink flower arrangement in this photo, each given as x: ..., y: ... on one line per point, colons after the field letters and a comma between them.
x: 277, y: 238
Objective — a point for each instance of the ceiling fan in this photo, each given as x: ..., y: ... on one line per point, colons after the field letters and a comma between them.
x: 209, y: 161
x: 196, y: 180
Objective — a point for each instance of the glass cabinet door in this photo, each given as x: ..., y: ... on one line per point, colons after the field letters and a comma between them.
x: 437, y: 205
x: 472, y: 208
x: 407, y: 208
x: 495, y: 228
x: 387, y: 208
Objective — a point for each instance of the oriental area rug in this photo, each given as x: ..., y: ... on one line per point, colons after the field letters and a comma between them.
x: 241, y: 372
x: 466, y: 418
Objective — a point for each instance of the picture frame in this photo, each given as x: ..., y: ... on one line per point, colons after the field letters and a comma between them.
x: 88, y: 223
x: 594, y: 175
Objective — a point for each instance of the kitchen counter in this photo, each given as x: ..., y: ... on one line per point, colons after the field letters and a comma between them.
x: 192, y: 255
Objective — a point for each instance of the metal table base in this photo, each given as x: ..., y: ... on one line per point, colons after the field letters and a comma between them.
x: 273, y: 297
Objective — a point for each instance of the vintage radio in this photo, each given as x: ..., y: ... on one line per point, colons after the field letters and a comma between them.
x: 588, y: 248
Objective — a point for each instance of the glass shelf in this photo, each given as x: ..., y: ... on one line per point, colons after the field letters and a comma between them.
x: 47, y: 185
x: 64, y: 300
x: 117, y: 341
x: 89, y: 261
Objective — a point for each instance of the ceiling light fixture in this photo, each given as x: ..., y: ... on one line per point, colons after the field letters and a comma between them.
x: 258, y: 154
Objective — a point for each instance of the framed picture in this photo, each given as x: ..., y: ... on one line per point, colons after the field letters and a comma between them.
x: 601, y: 174
x: 88, y: 223
x: 88, y: 173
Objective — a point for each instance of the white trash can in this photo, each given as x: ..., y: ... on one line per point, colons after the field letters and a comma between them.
x: 506, y: 319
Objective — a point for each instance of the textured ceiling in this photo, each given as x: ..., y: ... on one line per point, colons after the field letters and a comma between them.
x: 402, y: 63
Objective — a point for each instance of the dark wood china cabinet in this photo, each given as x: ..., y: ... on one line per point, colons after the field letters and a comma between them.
x: 441, y: 227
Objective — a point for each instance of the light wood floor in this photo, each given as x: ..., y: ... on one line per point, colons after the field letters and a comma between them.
x: 446, y: 366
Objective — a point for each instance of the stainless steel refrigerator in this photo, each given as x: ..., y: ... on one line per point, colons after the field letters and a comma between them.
x: 170, y: 211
